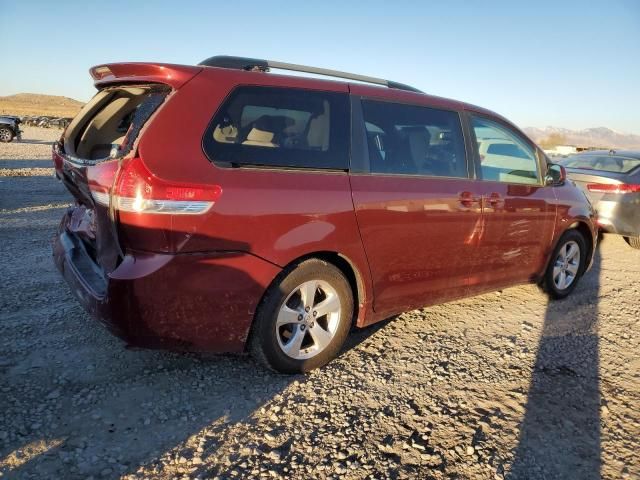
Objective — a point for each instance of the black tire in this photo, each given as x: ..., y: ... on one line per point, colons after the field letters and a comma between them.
x: 264, y: 343
x: 6, y: 134
x: 633, y: 242
x: 549, y: 284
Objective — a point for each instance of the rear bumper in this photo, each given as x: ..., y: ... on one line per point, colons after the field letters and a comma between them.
x: 200, y: 302
x: 621, y: 217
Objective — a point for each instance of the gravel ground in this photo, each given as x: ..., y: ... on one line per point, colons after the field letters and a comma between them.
x: 502, y: 385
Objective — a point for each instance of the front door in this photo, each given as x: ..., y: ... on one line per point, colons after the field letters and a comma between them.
x: 417, y: 208
x: 518, y: 210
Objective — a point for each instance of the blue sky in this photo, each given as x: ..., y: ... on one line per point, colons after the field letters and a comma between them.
x: 562, y: 63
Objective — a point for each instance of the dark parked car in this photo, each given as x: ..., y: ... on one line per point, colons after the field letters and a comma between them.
x: 281, y: 210
x: 612, y: 180
x: 9, y: 128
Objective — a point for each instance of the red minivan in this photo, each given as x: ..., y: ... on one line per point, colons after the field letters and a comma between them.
x: 224, y: 208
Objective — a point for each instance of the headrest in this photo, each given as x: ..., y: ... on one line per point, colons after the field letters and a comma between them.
x: 414, y: 131
x: 273, y: 123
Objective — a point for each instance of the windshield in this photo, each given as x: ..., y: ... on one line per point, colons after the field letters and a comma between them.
x: 603, y: 163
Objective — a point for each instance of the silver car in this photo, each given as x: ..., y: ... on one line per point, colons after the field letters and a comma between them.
x: 611, y: 179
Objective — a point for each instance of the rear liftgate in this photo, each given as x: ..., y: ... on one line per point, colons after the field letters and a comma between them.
x: 96, y: 160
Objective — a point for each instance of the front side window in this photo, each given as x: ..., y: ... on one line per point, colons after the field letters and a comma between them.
x: 504, y: 155
x: 414, y: 140
x: 284, y: 127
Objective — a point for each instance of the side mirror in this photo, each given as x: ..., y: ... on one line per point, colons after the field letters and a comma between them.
x: 556, y: 175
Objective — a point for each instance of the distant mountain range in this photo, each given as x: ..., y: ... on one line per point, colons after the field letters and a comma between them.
x: 589, y: 137
x: 36, y: 104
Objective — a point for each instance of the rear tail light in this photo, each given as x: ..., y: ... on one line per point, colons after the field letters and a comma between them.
x: 136, y: 190
x: 613, y: 188
x: 101, y: 71
x: 100, y: 179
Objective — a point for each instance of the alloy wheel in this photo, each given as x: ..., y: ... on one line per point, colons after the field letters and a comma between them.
x: 308, y: 319
x: 566, y: 265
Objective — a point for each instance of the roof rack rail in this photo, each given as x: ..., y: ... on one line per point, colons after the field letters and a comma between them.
x: 243, y: 63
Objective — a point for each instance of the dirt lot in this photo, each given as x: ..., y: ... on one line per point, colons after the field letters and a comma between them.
x: 499, y: 386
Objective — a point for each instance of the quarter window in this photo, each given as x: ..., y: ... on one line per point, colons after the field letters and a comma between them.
x: 504, y: 155
x: 281, y: 127
x: 414, y: 140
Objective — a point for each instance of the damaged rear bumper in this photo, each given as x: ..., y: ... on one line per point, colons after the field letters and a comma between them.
x: 196, y: 302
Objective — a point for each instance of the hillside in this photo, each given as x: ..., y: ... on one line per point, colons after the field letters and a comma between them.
x: 36, y: 104
x: 589, y: 137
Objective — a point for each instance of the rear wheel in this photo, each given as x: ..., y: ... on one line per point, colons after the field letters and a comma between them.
x: 566, y: 266
x: 304, y: 318
x: 633, y: 241
x: 6, y: 134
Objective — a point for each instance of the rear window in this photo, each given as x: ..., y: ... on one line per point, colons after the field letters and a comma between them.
x: 111, y: 121
x: 282, y: 127
x: 603, y: 163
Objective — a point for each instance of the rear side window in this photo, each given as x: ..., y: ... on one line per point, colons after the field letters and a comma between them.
x: 281, y: 127
x: 414, y: 140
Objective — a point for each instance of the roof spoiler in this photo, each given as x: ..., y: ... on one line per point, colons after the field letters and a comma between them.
x: 172, y: 75
x: 256, y: 64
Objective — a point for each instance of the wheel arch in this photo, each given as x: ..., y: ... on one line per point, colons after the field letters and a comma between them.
x: 581, y: 226
x: 353, y: 274
x: 587, y: 234
x: 345, y: 265
x: 348, y: 268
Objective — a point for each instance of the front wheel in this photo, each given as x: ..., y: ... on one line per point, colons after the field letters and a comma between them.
x: 566, y: 266
x: 633, y: 241
x: 304, y: 318
x: 6, y: 135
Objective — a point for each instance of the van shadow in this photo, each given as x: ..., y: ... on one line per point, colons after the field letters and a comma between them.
x: 163, y: 403
x: 283, y: 450
x: 560, y: 433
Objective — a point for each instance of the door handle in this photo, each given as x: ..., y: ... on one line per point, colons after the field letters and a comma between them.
x: 468, y: 199
x: 495, y: 200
